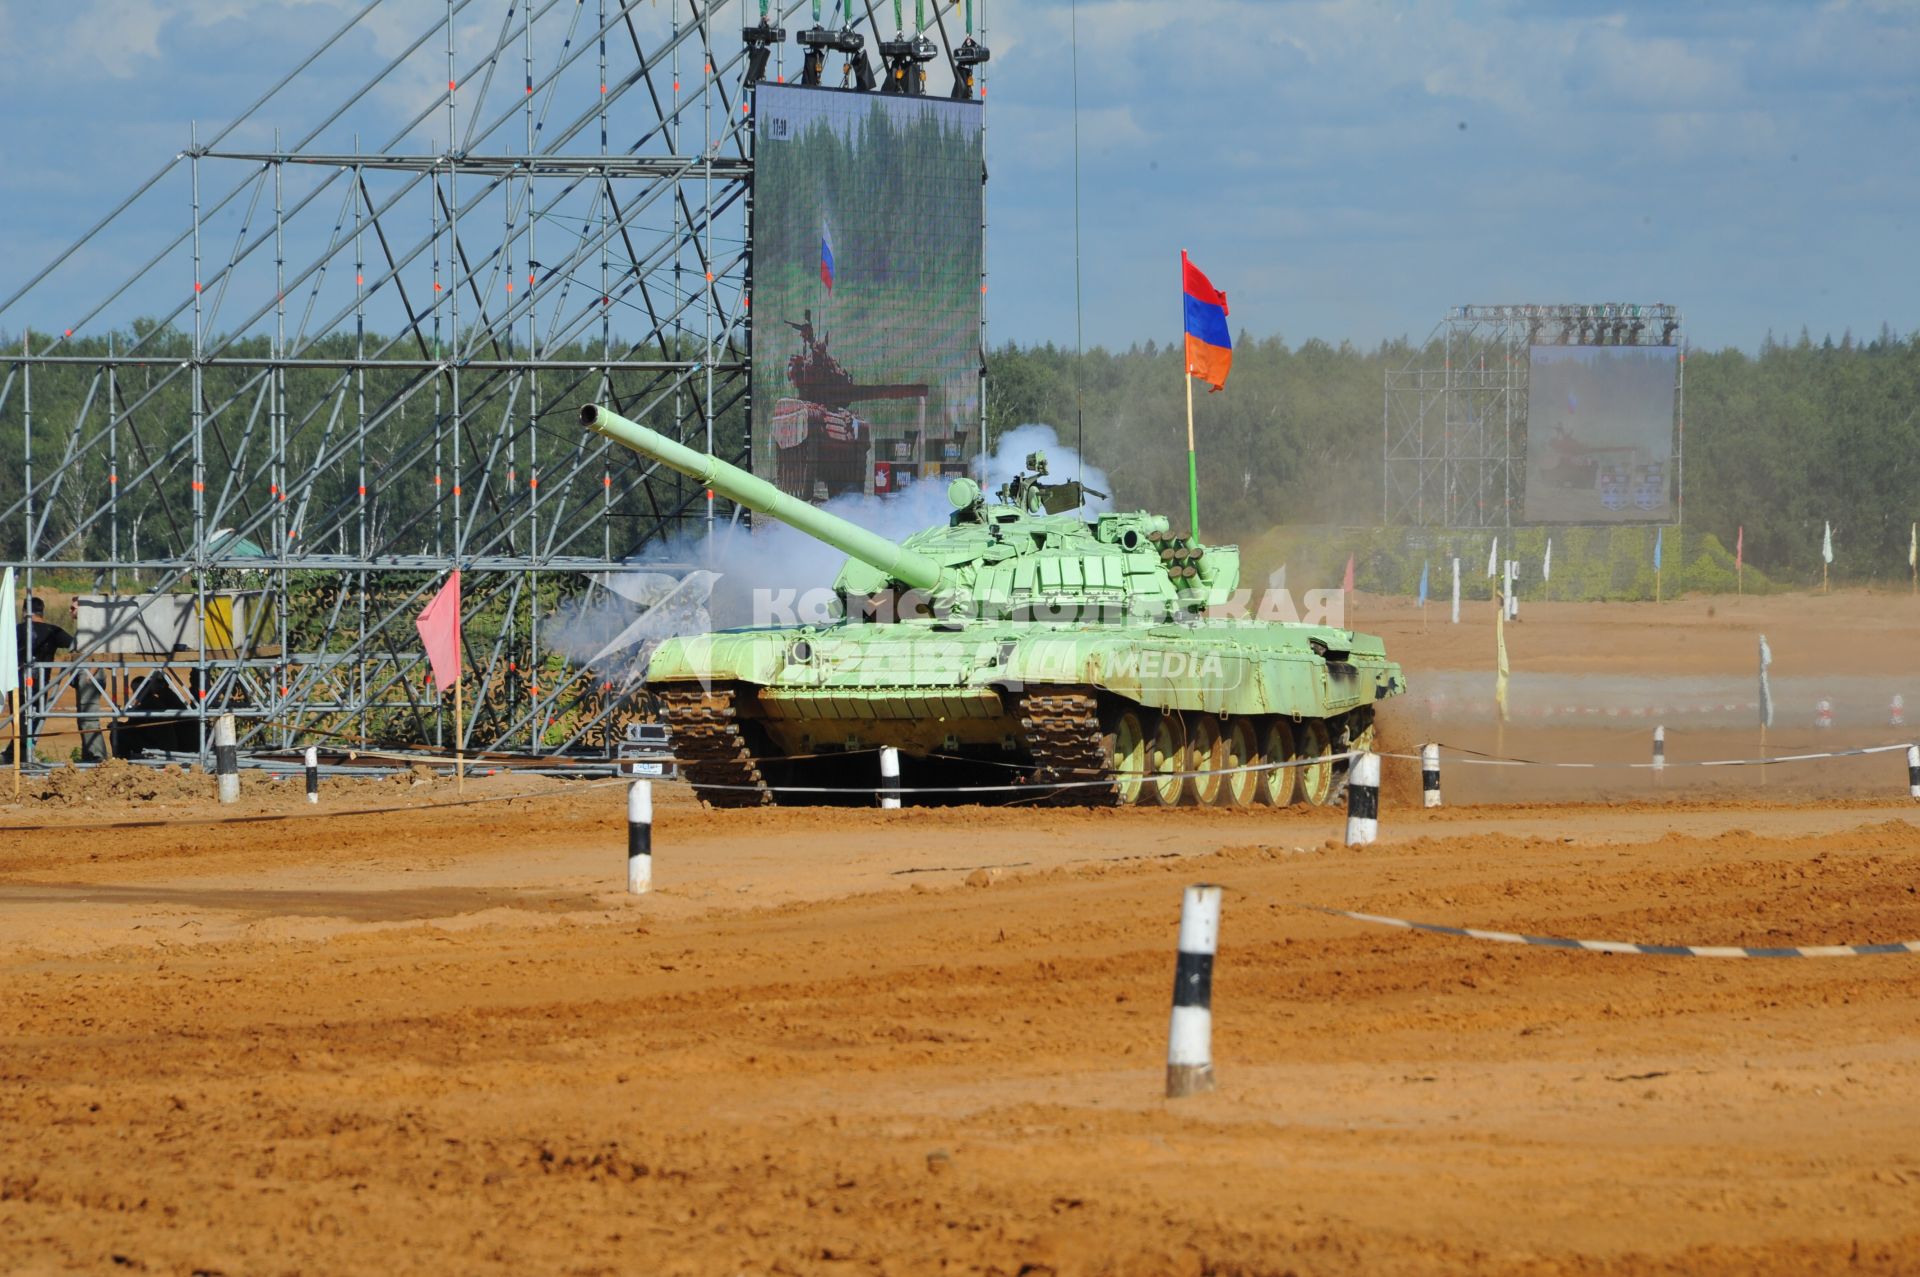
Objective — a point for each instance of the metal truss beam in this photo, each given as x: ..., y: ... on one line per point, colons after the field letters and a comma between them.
x: 365, y: 364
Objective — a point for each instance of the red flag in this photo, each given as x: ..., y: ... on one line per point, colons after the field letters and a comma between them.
x: 439, y: 626
x: 1347, y: 584
x: 1740, y: 548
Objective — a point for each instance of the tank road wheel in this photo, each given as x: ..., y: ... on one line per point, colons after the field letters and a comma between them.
x: 1166, y: 759
x: 1315, y: 780
x: 1241, y: 789
x: 1126, y: 747
x: 1274, y: 786
x: 1206, y: 752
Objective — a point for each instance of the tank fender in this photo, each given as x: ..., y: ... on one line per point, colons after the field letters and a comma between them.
x: 736, y: 656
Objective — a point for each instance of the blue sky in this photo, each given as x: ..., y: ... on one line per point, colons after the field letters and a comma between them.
x: 1345, y: 170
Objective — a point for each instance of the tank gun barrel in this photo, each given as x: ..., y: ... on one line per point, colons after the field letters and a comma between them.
x: 909, y: 567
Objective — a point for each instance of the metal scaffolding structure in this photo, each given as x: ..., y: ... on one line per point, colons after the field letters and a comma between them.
x: 1454, y: 437
x: 354, y: 367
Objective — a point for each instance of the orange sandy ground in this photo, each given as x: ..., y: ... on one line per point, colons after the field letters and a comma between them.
x: 433, y: 1040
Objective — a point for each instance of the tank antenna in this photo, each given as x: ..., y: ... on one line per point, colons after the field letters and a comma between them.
x: 1079, y: 343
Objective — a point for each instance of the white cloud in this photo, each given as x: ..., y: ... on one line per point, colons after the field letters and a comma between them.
x: 119, y: 36
x: 125, y: 38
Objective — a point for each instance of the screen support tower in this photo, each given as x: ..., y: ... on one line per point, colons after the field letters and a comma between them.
x: 338, y: 352
x: 1454, y: 422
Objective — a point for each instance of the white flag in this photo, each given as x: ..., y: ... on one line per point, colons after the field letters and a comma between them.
x: 1766, y: 691
x: 1456, y: 589
x: 1546, y: 564
x: 9, y: 639
x: 1493, y: 556
x: 1826, y: 546
x: 1913, y: 547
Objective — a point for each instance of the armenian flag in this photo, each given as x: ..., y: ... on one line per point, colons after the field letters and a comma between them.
x: 1209, y: 345
x: 826, y: 259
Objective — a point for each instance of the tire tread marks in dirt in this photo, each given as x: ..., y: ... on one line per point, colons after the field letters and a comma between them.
x: 712, y: 750
x: 1062, y: 732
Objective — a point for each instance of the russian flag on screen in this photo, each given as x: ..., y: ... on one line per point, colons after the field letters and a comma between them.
x: 826, y: 260
x: 1209, y: 347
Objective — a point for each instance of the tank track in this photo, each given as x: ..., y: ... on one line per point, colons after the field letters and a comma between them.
x: 1062, y: 731
x: 712, y: 751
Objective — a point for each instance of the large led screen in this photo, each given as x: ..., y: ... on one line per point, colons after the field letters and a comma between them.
x: 1600, y: 434
x: 867, y: 259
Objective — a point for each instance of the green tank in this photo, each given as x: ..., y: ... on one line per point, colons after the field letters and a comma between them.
x: 1049, y: 655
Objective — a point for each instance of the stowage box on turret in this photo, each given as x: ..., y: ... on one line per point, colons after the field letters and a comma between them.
x: 1054, y: 655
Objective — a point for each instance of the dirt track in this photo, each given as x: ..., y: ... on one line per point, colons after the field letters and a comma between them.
x: 437, y: 1039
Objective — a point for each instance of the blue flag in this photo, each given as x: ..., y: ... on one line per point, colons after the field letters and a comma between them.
x: 1423, y: 585
x: 1658, y: 533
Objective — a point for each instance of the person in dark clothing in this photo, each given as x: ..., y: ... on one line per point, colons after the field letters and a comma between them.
x: 38, y: 642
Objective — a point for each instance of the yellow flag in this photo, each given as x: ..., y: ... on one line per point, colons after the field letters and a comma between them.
x: 1500, y: 668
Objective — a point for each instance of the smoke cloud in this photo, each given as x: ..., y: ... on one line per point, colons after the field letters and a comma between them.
x: 699, y: 581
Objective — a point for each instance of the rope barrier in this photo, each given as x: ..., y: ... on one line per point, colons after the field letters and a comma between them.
x: 1623, y: 946
x: 1144, y: 778
x: 303, y: 814
x: 1475, y: 758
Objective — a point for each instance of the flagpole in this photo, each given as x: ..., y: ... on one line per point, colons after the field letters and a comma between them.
x: 459, y: 742
x: 1193, y: 472
x: 13, y: 702
x: 1500, y: 669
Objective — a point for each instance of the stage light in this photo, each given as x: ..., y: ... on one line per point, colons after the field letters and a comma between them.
x: 818, y: 42
x: 760, y: 40
x: 906, y: 61
x: 969, y: 55
x: 850, y: 42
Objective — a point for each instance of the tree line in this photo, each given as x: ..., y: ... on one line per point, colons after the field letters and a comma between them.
x: 1778, y: 442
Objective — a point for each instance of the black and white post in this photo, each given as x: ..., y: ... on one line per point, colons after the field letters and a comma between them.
x: 1660, y: 748
x: 313, y: 774
x: 1430, y: 775
x: 1913, y: 770
x: 1190, y: 1034
x: 226, y: 758
x: 889, y: 778
x: 639, y: 837
x: 1363, y: 801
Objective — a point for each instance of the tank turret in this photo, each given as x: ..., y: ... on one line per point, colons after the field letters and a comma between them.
x: 1029, y: 554
x: 910, y: 568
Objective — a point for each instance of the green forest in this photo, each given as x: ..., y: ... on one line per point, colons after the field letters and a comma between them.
x: 1780, y: 442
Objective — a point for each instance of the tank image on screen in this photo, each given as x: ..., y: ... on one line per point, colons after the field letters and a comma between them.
x: 1600, y: 434
x: 867, y: 265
